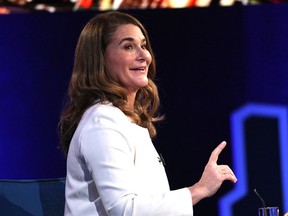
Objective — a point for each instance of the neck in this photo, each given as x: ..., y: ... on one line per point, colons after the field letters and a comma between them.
x: 130, y: 102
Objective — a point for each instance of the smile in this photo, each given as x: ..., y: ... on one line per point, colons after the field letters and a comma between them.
x: 138, y: 69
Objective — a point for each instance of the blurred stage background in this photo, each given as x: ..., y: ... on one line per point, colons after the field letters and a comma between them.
x: 219, y: 68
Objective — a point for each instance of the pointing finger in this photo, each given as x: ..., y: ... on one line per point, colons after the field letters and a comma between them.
x: 216, y: 152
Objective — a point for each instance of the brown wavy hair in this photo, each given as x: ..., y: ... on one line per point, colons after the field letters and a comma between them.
x: 91, y: 84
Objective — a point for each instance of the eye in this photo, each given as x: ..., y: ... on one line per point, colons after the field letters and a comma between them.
x: 144, y: 46
x: 128, y: 47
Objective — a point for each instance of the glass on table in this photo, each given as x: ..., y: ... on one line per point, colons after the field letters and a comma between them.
x: 268, y: 211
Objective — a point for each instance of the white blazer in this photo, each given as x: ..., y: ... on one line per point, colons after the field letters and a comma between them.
x: 114, y: 169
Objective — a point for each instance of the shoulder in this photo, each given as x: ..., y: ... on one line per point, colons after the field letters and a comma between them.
x: 100, y: 121
x: 105, y: 110
x: 104, y: 114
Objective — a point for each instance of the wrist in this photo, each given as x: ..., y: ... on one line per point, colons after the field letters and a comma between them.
x: 198, y: 193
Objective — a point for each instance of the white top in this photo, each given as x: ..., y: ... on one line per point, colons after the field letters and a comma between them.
x: 114, y: 169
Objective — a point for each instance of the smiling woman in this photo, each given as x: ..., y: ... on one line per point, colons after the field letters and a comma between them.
x: 127, y: 60
x: 107, y: 127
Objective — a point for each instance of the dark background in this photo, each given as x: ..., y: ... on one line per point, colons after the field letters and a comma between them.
x: 210, y: 61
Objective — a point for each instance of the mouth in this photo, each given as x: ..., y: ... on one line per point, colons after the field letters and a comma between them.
x: 139, y: 69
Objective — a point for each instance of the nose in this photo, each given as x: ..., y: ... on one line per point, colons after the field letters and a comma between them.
x: 143, y: 55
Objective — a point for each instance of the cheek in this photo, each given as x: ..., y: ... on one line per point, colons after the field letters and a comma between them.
x: 110, y: 65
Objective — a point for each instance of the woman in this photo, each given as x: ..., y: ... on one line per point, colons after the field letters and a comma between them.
x: 107, y: 126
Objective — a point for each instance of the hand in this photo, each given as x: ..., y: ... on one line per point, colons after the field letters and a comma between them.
x: 212, y: 177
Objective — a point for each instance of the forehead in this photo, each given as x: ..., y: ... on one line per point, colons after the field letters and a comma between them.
x: 128, y: 31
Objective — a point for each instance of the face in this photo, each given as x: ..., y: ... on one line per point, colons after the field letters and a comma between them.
x: 126, y: 58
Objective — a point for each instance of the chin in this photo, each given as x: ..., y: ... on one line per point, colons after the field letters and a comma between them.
x: 144, y: 85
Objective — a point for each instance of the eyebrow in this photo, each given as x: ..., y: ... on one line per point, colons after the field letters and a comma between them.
x: 130, y: 39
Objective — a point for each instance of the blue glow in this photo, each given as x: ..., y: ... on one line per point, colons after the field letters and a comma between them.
x: 238, y: 118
